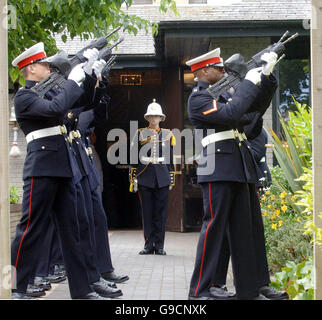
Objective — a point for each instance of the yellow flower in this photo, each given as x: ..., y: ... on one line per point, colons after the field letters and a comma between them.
x: 273, y: 216
x: 263, y: 198
x: 269, y: 206
x: 280, y: 223
x: 265, y: 214
x: 284, y: 208
x: 283, y: 194
x: 293, y: 198
x: 274, y: 226
x: 297, y: 219
x: 272, y: 197
x: 277, y: 211
x: 267, y: 192
x: 283, y: 202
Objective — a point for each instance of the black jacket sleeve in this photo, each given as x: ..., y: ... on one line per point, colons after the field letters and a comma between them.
x: 202, y: 106
x: 29, y: 105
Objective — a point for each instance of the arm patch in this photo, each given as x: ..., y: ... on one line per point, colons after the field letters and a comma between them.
x: 213, y: 109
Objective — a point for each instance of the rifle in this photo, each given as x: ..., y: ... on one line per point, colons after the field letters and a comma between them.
x: 62, y: 65
x: 107, y: 67
x: 236, y: 67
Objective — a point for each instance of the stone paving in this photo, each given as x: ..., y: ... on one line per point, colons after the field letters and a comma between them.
x: 152, y: 277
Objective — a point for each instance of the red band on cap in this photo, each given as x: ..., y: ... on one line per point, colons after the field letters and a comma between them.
x: 30, y: 59
x: 204, y: 63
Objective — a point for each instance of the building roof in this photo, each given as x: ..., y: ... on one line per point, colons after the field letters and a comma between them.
x: 242, y: 10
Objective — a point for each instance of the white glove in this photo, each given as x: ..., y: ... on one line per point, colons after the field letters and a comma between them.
x: 91, y: 55
x: 270, y: 58
x: 77, y: 74
x: 98, y: 66
x: 254, y: 75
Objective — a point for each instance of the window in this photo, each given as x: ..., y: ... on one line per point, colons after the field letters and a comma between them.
x: 294, y: 80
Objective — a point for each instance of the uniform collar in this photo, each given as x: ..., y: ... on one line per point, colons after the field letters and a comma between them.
x: 203, y: 84
x: 29, y: 84
x: 156, y: 131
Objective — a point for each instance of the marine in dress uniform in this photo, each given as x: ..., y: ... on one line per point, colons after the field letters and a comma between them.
x: 51, y: 241
x: 82, y: 121
x: 48, y: 176
x: 153, y: 177
x: 257, y: 138
x: 92, y: 218
x: 84, y: 215
x: 228, y: 187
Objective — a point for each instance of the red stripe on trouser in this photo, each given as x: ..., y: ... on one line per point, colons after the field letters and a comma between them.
x: 140, y: 198
x: 259, y: 195
x: 29, y: 215
x: 204, y: 244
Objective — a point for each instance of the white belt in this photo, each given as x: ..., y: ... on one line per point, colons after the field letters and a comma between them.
x: 152, y: 160
x: 47, y: 132
x: 224, y: 135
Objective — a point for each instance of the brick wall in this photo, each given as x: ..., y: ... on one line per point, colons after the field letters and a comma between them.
x: 15, y: 215
x: 16, y: 164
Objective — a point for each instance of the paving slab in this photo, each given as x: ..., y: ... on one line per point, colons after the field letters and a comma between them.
x: 152, y: 277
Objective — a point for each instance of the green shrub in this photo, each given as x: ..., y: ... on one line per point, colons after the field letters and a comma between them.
x: 14, y: 195
x: 279, y: 197
x: 287, y: 207
x: 297, y: 279
x: 293, y: 150
x: 286, y: 243
x: 284, y: 224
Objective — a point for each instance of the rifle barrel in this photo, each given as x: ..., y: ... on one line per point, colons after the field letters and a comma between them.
x: 290, y: 38
x: 113, y: 31
x: 280, y: 58
x: 118, y: 42
x: 111, y: 60
x: 283, y: 36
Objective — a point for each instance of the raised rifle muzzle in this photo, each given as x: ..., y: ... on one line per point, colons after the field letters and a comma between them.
x: 283, y: 36
x: 280, y: 58
x: 290, y: 38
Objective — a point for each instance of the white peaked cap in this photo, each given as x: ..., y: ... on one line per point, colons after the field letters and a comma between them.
x: 154, y: 109
x: 36, y: 53
x: 211, y: 58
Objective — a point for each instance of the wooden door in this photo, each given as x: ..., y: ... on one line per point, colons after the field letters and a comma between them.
x: 172, y: 107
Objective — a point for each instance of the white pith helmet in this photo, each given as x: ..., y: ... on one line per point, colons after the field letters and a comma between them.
x: 154, y: 109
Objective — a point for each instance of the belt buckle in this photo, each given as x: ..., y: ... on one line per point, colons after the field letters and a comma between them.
x: 244, y: 136
x: 154, y: 160
x: 63, y: 129
x: 236, y: 133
